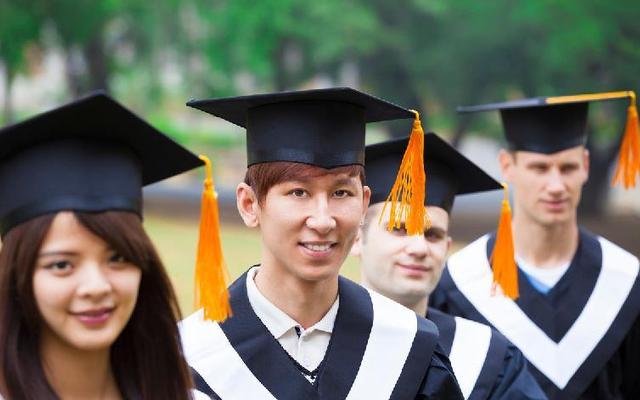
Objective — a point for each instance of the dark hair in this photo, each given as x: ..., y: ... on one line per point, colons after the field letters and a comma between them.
x: 263, y: 176
x: 146, y: 358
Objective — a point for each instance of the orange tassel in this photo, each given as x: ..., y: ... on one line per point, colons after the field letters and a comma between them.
x: 211, y: 291
x: 505, y: 271
x: 628, y: 168
x: 407, y: 196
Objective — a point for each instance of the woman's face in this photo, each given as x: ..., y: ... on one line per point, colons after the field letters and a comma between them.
x: 84, y: 290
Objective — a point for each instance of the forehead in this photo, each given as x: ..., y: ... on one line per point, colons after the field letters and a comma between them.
x: 569, y: 155
x: 438, y: 216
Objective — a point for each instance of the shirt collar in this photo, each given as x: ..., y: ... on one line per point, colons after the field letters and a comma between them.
x: 277, y: 321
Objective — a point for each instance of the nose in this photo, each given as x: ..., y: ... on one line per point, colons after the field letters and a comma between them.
x: 417, y: 246
x: 321, y: 219
x: 555, y: 184
x: 95, y: 284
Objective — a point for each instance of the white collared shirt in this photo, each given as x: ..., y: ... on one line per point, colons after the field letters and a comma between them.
x: 306, y: 346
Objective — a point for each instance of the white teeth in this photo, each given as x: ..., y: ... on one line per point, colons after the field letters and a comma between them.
x: 317, y: 247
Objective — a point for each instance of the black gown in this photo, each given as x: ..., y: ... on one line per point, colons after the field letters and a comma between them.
x: 240, y: 359
x: 503, y: 373
x: 582, y: 338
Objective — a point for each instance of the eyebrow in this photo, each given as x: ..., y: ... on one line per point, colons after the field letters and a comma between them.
x: 57, y: 253
x: 339, y: 182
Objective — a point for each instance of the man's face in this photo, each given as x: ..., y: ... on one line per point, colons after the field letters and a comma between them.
x: 309, y: 225
x: 402, y: 267
x: 547, y: 187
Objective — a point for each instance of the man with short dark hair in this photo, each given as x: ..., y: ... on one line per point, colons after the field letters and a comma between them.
x: 298, y: 330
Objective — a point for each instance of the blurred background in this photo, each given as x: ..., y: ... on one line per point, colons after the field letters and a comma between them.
x: 424, y: 54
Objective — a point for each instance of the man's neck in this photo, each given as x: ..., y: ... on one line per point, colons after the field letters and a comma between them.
x: 545, y: 246
x: 78, y: 374
x: 306, y: 302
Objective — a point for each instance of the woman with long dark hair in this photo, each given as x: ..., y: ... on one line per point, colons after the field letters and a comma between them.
x: 86, y: 308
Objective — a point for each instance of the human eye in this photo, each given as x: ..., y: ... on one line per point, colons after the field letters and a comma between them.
x: 117, y: 259
x: 59, y: 267
x: 298, y: 192
x: 342, y: 193
x: 400, y: 230
x: 434, y: 235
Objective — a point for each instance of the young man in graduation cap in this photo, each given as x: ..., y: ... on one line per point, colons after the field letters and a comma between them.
x: 570, y: 299
x: 299, y: 330
x: 407, y: 268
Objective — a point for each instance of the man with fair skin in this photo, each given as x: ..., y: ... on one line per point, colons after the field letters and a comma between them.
x: 299, y: 331
x: 407, y: 268
x: 576, y: 318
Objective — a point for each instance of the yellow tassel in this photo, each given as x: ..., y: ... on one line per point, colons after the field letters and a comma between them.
x: 628, y: 168
x: 407, y: 196
x: 505, y: 271
x: 211, y: 291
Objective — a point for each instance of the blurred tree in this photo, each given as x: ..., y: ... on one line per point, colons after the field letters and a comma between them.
x: 19, y: 28
x: 280, y: 43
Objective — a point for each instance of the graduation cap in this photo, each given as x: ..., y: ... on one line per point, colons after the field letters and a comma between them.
x: 325, y: 128
x: 90, y: 155
x: 551, y: 124
x: 322, y: 127
x: 449, y: 174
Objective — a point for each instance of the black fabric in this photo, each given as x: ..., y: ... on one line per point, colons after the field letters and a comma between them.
x: 440, y: 381
x: 425, y: 371
x: 448, y: 172
x: 435, y: 379
x: 504, y: 374
x: 90, y: 155
x: 608, y: 372
x: 557, y: 310
x: 322, y: 127
x: 202, y: 386
x: 537, y: 126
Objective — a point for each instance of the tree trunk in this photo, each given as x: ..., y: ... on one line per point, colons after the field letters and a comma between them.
x: 73, y: 72
x: 98, y: 68
x: 596, y: 191
x: 7, y: 111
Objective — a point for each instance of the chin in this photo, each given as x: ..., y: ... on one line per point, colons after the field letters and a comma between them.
x: 313, y: 273
x: 94, y: 341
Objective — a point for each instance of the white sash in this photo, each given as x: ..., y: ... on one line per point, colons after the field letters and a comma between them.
x: 209, y: 352
x: 392, y: 334
x: 468, y: 352
x: 394, y: 328
x: 470, y: 270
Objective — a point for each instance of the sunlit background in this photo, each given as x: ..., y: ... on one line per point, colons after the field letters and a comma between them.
x: 426, y: 54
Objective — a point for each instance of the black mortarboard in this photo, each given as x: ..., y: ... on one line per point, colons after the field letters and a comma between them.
x: 449, y: 173
x: 322, y: 127
x: 545, y: 124
x: 90, y: 155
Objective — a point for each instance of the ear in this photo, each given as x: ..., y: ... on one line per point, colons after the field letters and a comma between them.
x: 356, y: 249
x: 366, y: 198
x: 449, y: 242
x: 248, y: 207
x: 586, y: 160
x: 506, y: 161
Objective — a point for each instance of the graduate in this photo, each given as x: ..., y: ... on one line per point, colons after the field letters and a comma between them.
x: 407, y: 268
x: 298, y: 330
x: 569, y: 299
x: 87, y: 310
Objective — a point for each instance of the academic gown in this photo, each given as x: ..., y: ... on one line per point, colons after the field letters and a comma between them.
x: 486, y: 365
x: 240, y: 359
x: 582, y: 338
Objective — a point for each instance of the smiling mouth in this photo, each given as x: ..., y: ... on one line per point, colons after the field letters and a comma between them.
x: 317, y: 248
x: 95, y: 316
x: 415, y: 267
